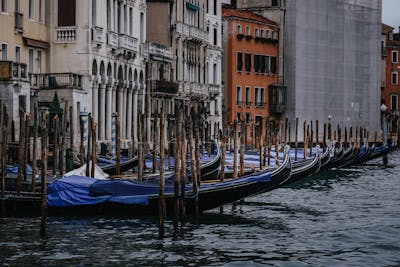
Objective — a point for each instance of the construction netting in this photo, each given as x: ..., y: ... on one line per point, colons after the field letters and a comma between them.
x: 332, y: 62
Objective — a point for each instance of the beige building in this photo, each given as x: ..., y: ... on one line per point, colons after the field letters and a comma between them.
x: 24, y: 41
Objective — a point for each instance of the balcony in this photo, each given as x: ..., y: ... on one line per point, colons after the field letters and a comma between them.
x: 159, y: 50
x: 144, y: 50
x: 191, y: 32
x: 164, y: 87
x: 214, y: 90
x: 97, y: 35
x: 126, y: 42
x: 112, y: 39
x: 277, y: 98
x: 260, y: 104
x: 19, y: 22
x: 66, y: 34
x: 55, y: 80
x: 10, y: 70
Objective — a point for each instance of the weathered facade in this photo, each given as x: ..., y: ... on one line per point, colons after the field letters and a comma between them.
x: 25, y: 47
x: 250, y: 66
x: 390, y: 87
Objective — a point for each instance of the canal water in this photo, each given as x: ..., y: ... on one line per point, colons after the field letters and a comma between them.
x: 348, y: 217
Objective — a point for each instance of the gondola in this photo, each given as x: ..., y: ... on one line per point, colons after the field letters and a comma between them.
x: 110, y: 166
x: 302, y: 171
x: 377, y: 152
x: 83, y: 195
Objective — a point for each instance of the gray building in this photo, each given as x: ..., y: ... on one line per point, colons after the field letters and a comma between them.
x: 331, y: 64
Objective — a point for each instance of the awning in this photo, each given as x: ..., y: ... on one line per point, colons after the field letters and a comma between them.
x: 36, y: 43
x: 192, y: 6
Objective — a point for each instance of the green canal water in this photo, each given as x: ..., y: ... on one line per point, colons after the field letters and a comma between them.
x: 348, y: 217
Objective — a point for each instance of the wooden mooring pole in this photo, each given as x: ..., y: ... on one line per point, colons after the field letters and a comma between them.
x: 161, y: 208
x: 118, y: 145
x: 34, y: 150
x: 296, y: 139
x: 44, y: 141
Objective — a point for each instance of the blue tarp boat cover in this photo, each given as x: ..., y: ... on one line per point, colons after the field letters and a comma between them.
x: 79, y: 190
x: 14, y: 169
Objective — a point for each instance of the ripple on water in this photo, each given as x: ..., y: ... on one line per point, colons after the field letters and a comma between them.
x: 337, y: 218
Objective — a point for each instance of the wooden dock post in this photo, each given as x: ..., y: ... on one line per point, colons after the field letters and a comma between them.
x: 26, y: 144
x: 93, y: 160
x: 317, y: 132
x: 270, y: 134
x: 296, y: 139
x: 155, y: 118
x: 118, y: 144
x: 235, y: 148
x: 193, y: 167
x: 20, y: 151
x: 34, y: 154
x: 345, y: 137
x: 161, y: 208
x: 89, y: 145
x: 4, y: 154
x: 44, y: 141
x: 140, y: 147
x: 177, y: 162
x: 82, y: 146
x: 63, y: 136
x: 242, y: 144
x: 183, y: 147
x: 311, y: 137
x: 56, y: 144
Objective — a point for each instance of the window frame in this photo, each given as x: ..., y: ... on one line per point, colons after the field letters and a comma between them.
x: 248, y: 31
x: 239, y: 29
x: 395, y: 52
x: 394, y: 74
x: 18, y: 48
x: 239, y: 95
x: 2, y: 51
x: 4, y: 6
x: 31, y: 10
x: 237, y: 61
x: 391, y: 102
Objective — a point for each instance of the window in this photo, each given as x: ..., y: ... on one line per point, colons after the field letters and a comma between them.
x: 215, y: 74
x: 256, y: 63
x: 247, y: 62
x: 262, y: 99
x: 142, y: 27
x: 267, y: 34
x: 215, y: 7
x: 395, y: 77
x: 17, y: 6
x: 94, y: 10
x: 39, y: 61
x: 247, y: 96
x: 131, y: 21
x: 274, y: 3
x: 247, y: 30
x: 239, y: 61
x: 267, y: 64
x: 30, y: 62
x: 17, y: 54
x: 4, y: 51
x: 395, y: 56
x: 31, y: 9
x: 394, y: 102
x: 239, y: 29
x: 215, y: 37
x: 41, y: 10
x: 262, y: 33
x: 238, y: 95
x: 272, y: 35
x: 66, y: 12
x: 256, y: 32
x: 273, y: 65
x: 256, y: 96
x: 247, y: 117
x: 4, y: 6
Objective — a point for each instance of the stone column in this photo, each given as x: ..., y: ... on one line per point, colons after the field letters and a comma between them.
x: 115, y: 16
x: 109, y: 99
x: 95, y: 98
x: 135, y: 113
x: 111, y: 10
x: 129, y: 114
x: 121, y: 18
x: 102, y: 106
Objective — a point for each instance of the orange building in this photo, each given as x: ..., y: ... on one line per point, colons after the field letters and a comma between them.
x: 251, y: 53
x: 390, y: 77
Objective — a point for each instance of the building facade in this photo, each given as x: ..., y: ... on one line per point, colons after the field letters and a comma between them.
x: 250, y: 66
x: 103, y: 42
x: 390, y: 88
x: 25, y: 47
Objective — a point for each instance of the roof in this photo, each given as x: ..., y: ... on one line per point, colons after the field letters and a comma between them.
x: 246, y: 14
x: 386, y: 28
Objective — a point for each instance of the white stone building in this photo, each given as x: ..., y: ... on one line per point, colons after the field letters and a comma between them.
x: 104, y: 41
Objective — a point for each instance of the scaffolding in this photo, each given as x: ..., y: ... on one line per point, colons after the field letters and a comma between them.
x: 332, y: 61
